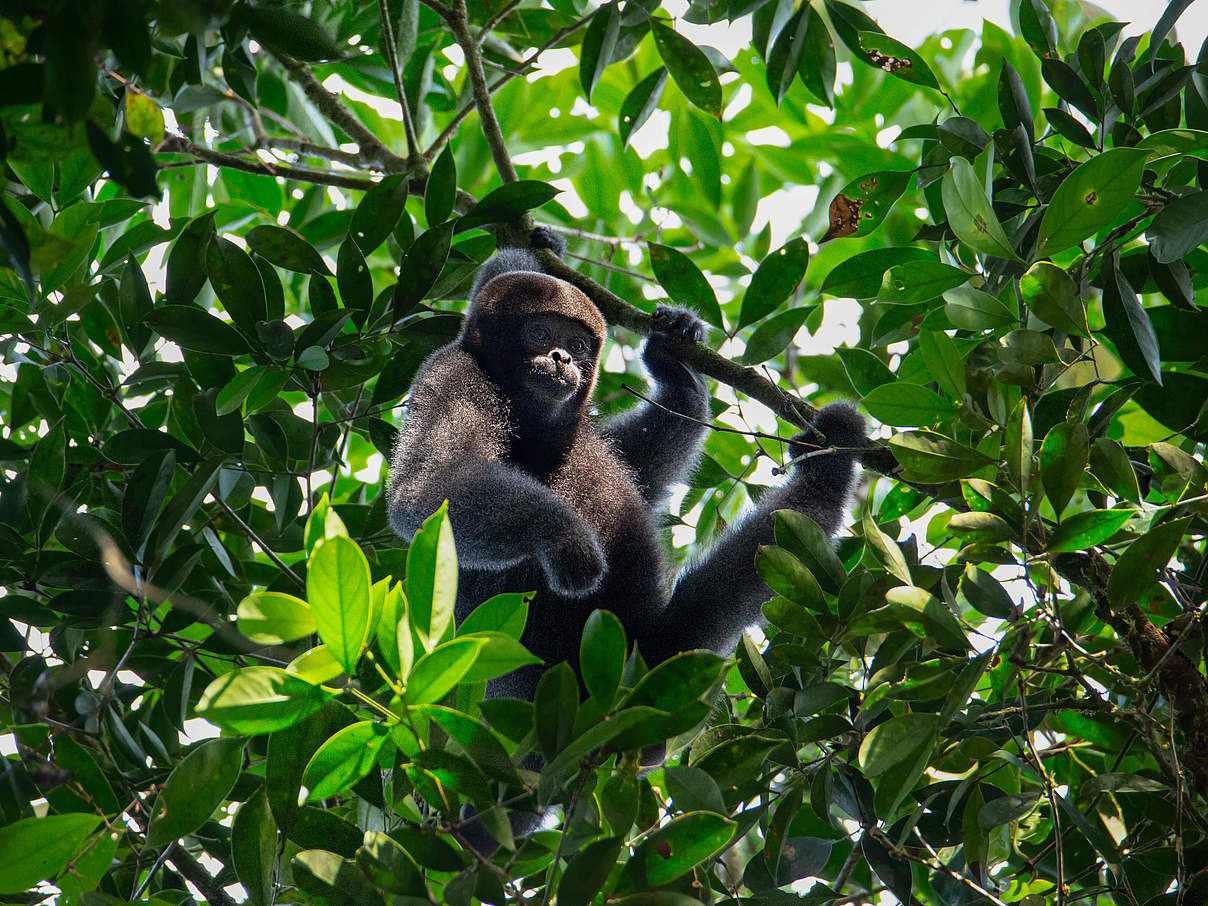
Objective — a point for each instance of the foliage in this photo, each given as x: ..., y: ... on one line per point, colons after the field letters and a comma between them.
x: 230, y: 233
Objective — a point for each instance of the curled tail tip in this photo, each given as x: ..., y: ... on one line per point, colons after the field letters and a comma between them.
x: 542, y: 237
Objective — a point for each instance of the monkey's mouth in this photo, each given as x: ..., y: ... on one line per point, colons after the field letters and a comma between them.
x: 546, y: 371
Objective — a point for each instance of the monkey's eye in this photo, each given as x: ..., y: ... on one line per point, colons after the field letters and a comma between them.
x: 539, y: 334
x: 578, y: 346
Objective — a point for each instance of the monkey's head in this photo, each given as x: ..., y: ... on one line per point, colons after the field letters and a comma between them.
x: 537, y: 337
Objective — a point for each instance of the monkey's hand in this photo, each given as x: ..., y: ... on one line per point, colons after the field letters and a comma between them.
x: 574, y: 563
x: 542, y: 237
x: 837, y: 425
x: 668, y: 323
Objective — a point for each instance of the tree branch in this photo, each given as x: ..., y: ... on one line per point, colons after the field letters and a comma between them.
x: 460, y: 26
x: 451, y: 128
x: 336, y: 112
x: 178, y: 144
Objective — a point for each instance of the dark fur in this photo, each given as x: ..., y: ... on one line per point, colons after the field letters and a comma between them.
x: 546, y: 500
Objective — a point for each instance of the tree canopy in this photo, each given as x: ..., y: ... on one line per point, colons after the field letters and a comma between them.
x: 230, y: 232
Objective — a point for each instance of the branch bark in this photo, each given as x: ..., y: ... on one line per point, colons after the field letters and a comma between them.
x: 336, y: 112
x: 459, y: 23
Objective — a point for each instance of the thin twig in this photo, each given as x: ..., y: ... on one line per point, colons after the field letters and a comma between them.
x: 251, y: 533
x: 392, y: 54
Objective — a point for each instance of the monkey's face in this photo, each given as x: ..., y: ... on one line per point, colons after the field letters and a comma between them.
x: 560, y: 356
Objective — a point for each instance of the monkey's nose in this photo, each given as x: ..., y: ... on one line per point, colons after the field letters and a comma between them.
x: 560, y: 356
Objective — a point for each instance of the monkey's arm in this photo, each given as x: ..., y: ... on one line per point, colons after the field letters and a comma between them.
x: 654, y: 439
x: 721, y: 595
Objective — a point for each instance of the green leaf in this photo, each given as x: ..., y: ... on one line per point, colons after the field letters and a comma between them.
x: 237, y: 283
x: 920, y: 281
x: 501, y: 654
x: 897, y: 59
x: 273, y: 618
x: 421, y: 266
x: 555, y: 705
x: 286, y: 249
x: 784, y: 58
x: 337, y: 588
x: 315, y: 665
x: 38, y: 849
x: 685, y: 283
x: 932, y: 458
x: 1092, y: 197
x: 602, y: 656
x: 676, y: 847
x: 1063, y: 456
x: 907, y: 405
x: 254, y: 849
x: 1112, y: 467
x: 640, y: 104
x: 196, y: 329
x: 1017, y: 445
x: 390, y: 867
x: 860, y: 276
x: 805, y: 539
x: 506, y: 203
x: 974, y: 309
x: 289, y: 31
x: 1084, y: 530
x: 432, y: 579
x: 1007, y: 809
x: 689, y: 67
x: 864, y: 369
x: 984, y: 593
x: 587, y: 871
x: 506, y: 613
x: 775, y: 334
x: 862, y: 204
x: 926, y: 616
x: 379, y: 211
x: 196, y: 787
x: 970, y: 214
x: 885, y: 549
x: 788, y: 576
x: 889, y: 743
x: 144, y: 117
x: 984, y: 527
x: 1137, y: 567
x: 1179, y: 228
x: 1128, y: 326
x: 944, y: 362
x: 255, y: 700
x: 441, y: 191
x: 353, y: 278
x: 441, y: 669
x: 343, y: 759
x: 599, y: 42
x: 777, y: 276
x: 1013, y: 103
x: 1053, y: 296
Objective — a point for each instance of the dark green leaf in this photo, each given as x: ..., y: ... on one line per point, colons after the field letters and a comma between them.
x: 777, y: 276
x: 1179, y: 228
x: 1128, y: 325
x: 421, y: 267
x: 602, y: 656
x: 897, y: 59
x: 440, y: 193
x: 774, y: 335
x: 639, y: 104
x: 1137, y: 567
x: 286, y: 249
x: 1084, y: 530
x: 379, y: 211
x: 506, y: 203
x: 907, y: 405
x: 287, y: 30
x: 194, y: 328
x: 689, y: 67
x: 684, y: 282
x: 195, y: 788
x: 596, y: 52
x: 1089, y: 199
x: 254, y: 849
x: 1063, y: 457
